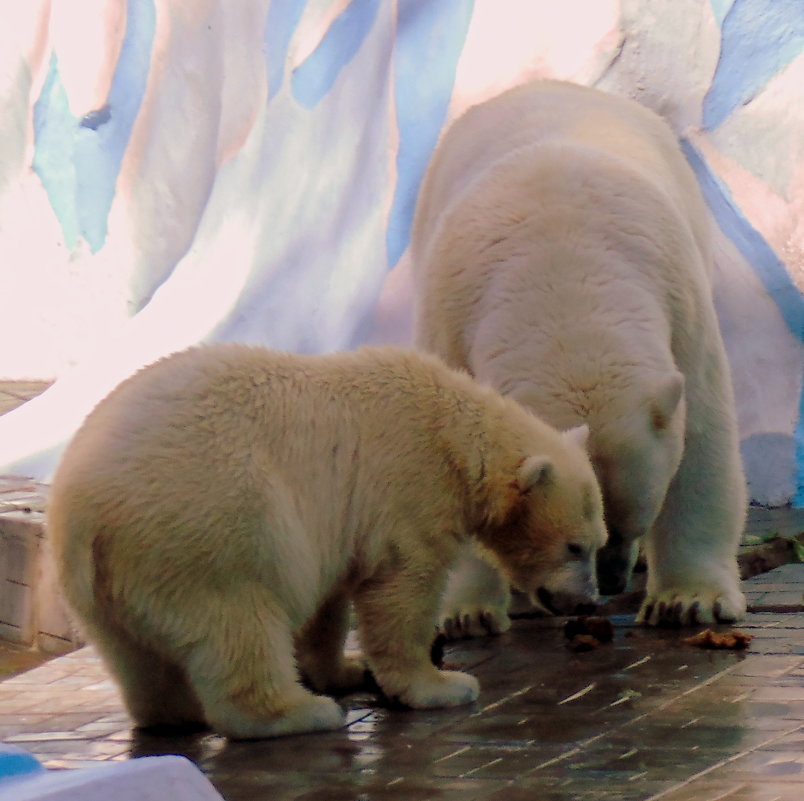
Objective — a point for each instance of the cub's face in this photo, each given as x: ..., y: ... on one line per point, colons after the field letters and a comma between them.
x: 549, y: 541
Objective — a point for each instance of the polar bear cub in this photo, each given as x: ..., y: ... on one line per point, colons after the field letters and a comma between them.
x: 561, y: 255
x: 217, y: 512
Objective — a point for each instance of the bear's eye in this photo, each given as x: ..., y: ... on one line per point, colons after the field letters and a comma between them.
x: 575, y: 550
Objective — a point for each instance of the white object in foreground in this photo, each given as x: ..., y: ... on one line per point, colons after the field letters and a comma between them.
x: 143, y: 779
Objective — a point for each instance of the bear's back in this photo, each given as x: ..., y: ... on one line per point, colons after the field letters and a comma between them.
x: 217, y: 417
x: 556, y: 113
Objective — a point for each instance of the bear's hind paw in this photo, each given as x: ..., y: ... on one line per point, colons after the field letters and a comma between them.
x: 346, y: 675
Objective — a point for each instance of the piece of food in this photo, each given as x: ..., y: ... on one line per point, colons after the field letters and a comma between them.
x: 600, y: 628
x: 584, y: 642
x: 732, y: 640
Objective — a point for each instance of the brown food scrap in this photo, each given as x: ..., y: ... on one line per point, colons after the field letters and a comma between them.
x: 584, y: 642
x: 600, y: 628
x: 732, y: 640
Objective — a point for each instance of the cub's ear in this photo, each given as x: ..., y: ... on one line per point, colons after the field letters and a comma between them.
x: 534, y: 470
x: 665, y: 401
x: 579, y: 435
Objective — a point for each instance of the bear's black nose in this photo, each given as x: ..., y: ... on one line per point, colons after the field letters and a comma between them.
x: 613, y: 566
x: 611, y: 585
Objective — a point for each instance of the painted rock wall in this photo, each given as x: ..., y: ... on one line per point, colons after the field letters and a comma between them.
x: 176, y: 171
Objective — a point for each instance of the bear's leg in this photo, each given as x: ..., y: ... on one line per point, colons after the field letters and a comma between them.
x: 244, y: 674
x: 319, y: 651
x: 476, y: 599
x: 156, y: 691
x: 693, y: 575
x: 396, y: 618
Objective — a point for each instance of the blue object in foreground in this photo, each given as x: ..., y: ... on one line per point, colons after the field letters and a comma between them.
x: 16, y: 763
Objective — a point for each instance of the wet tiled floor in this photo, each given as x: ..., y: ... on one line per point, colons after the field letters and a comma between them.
x: 644, y: 717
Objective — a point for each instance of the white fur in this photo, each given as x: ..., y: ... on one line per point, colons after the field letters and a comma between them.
x: 216, y: 514
x: 561, y: 253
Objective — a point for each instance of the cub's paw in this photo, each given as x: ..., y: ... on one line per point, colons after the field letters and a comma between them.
x: 463, y: 624
x: 312, y: 713
x: 443, y: 688
x: 475, y: 601
x: 689, y: 607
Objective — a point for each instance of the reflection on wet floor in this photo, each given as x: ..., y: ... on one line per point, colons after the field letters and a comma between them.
x: 645, y: 716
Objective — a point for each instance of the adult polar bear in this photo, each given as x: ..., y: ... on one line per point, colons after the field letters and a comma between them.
x: 561, y: 255
x: 216, y: 513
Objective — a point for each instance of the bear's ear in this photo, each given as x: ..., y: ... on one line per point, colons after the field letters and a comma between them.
x: 665, y: 401
x: 534, y: 470
x: 579, y: 435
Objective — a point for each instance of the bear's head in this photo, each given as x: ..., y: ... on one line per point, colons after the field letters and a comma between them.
x: 549, y: 526
x: 636, y: 448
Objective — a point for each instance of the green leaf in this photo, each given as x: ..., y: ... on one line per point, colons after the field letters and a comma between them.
x: 752, y: 539
x: 759, y: 539
x: 798, y: 550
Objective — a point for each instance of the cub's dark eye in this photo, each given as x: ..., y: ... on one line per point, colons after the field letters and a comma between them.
x: 575, y: 550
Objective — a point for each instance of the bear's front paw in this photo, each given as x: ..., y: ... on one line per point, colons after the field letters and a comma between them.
x: 477, y: 623
x: 689, y: 607
x: 443, y: 688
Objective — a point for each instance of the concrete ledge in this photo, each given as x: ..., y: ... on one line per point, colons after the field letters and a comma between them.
x: 31, y: 611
